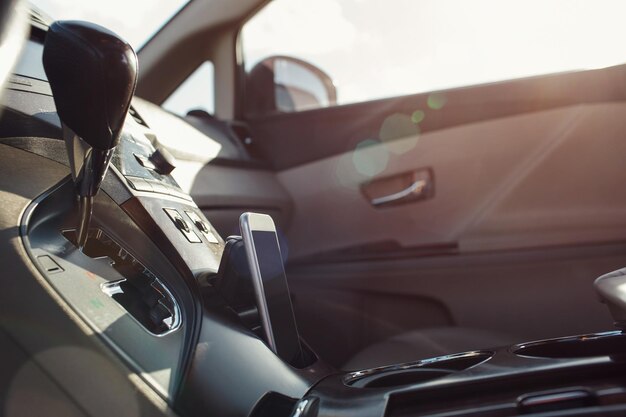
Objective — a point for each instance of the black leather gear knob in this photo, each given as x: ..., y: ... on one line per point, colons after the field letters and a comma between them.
x: 93, y: 75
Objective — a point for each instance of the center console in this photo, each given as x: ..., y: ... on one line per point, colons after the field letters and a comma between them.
x: 581, y: 375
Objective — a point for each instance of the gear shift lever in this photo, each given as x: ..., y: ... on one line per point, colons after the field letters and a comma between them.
x: 611, y: 288
x: 92, y: 74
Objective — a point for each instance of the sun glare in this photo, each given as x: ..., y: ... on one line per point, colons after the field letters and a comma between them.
x: 375, y: 49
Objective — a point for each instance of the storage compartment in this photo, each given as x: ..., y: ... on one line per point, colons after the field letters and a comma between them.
x: 586, y: 346
x: 416, y: 372
x: 140, y: 292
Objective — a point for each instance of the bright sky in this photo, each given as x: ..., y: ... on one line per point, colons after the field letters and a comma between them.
x: 382, y: 48
x: 135, y: 20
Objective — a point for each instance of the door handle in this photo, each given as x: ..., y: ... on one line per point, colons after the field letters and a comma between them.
x: 410, y: 192
x: 399, y: 189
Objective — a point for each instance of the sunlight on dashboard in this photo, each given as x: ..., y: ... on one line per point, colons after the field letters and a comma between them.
x: 69, y: 364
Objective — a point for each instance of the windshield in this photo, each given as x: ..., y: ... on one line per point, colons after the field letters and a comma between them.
x: 136, y: 21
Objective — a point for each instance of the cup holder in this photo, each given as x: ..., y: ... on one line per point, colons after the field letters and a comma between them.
x: 586, y: 346
x: 413, y: 373
x: 399, y: 378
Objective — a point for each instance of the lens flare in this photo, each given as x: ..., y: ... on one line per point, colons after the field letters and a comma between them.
x: 436, y: 101
x: 399, y: 133
x: 418, y: 116
x: 370, y: 158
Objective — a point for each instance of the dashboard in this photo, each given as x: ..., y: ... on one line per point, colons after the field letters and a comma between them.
x: 151, y: 296
x: 150, y: 247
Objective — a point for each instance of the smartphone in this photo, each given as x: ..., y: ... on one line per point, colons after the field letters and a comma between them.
x: 270, y: 285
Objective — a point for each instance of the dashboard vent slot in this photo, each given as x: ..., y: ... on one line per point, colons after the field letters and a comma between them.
x: 38, y: 18
x: 133, y: 113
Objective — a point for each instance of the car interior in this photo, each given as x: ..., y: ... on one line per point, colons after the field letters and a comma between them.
x: 455, y: 252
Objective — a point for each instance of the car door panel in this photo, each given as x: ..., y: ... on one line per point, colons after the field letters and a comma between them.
x: 523, y: 295
x: 521, y: 171
x: 552, y: 183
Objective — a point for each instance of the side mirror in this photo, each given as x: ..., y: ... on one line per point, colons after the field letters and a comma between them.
x: 284, y: 84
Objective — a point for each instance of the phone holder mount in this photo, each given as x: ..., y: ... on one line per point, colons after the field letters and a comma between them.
x: 231, y: 289
x: 231, y: 286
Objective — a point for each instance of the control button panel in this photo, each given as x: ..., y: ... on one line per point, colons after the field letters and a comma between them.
x: 144, y: 162
x: 139, y: 184
x: 155, y: 186
x: 159, y: 187
x: 202, y: 226
x: 182, y: 225
x: 162, y: 161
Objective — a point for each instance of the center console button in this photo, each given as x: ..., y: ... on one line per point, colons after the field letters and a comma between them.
x: 139, y: 184
x: 162, y: 161
x: 177, y: 192
x: 182, y: 225
x: 202, y: 226
x: 158, y: 187
x: 144, y: 162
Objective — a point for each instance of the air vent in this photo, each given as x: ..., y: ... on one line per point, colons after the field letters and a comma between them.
x: 133, y: 113
x: 39, y: 18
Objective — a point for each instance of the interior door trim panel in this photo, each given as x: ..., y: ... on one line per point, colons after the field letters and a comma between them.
x: 552, y: 184
x: 519, y: 285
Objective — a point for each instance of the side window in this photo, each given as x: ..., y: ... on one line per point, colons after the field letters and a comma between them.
x: 303, y: 54
x: 195, y: 93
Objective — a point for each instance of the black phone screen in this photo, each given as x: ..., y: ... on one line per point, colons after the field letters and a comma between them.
x: 277, y: 296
